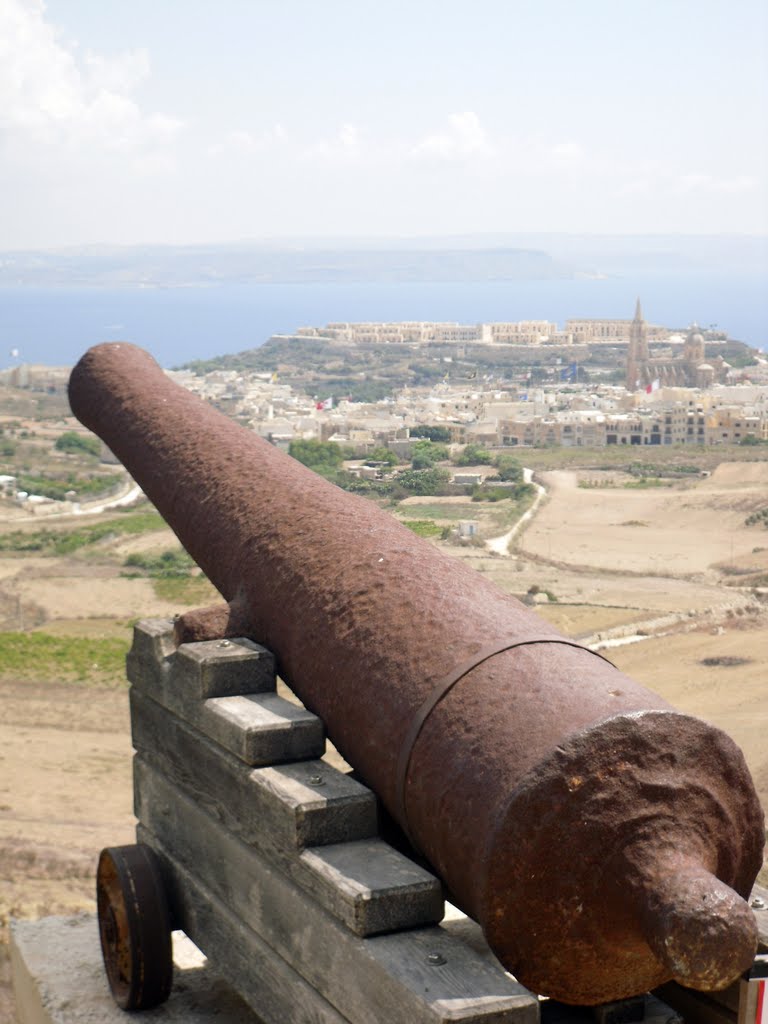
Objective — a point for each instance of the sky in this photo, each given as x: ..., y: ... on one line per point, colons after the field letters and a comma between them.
x: 189, y: 121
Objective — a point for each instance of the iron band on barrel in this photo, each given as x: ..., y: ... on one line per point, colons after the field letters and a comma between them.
x: 440, y: 691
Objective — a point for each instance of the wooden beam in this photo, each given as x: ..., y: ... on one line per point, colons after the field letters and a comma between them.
x: 423, y: 976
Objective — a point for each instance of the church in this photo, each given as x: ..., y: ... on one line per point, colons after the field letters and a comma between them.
x: 688, y: 370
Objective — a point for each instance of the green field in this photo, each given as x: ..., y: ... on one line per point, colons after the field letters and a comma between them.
x: 48, y: 541
x: 45, y: 657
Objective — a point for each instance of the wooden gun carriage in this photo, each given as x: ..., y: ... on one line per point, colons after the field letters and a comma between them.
x: 270, y: 860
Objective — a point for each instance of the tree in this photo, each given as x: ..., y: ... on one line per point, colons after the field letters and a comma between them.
x: 73, y: 443
x: 474, y: 455
x: 382, y: 454
x: 425, y: 481
x: 317, y: 455
x: 440, y: 434
x: 509, y: 468
x: 426, y: 453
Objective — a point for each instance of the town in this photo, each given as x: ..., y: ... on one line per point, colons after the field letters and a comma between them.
x: 604, y: 383
x: 672, y: 393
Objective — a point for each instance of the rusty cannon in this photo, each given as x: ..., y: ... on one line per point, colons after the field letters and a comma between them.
x: 604, y: 841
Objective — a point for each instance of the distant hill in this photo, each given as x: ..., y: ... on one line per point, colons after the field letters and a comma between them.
x: 490, y: 257
x: 176, y: 266
x: 370, y: 372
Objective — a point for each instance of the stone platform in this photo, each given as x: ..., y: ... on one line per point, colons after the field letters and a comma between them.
x: 59, y: 978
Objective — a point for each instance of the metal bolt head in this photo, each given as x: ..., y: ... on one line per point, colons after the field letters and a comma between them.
x: 316, y: 780
x: 436, y: 959
x: 223, y: 643
x: 758, y: 903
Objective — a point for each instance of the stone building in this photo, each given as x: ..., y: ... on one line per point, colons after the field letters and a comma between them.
x: 688, y: 370
x: 609, y: 332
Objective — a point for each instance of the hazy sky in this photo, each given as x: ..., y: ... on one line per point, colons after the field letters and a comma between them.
x: 192, y: 120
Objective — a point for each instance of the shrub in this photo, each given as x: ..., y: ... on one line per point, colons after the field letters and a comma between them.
x: 427, y: 453
x: 317, y: 454
x: 474, y: 455
x: 167, y: 565
x: 761, y: 516
x: 425, y: 481
x: 509, y: 468
x: 440, y: 434
x: 77, y: 444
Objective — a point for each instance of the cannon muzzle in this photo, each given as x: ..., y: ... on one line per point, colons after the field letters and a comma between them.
x: 604, y: 841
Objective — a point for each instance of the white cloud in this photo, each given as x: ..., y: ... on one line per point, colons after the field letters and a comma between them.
x: 49, y: 99
x: 345, y: 146
x: 465, y: 138
x: 348, y: 137
x: 122, y: 73
x: 243, y: 143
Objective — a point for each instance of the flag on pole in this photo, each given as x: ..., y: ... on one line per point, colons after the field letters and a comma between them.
x: 653, y: 386
x: 324, y: 405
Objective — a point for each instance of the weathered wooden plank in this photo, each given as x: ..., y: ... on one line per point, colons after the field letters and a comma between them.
x: 153, y: 640
x: 286, y: 806
x: 259, y: 728
x: 196, y: 671
x: 422, y: 976
x: 270, y: 986
x: 224, y: 668
x: 320, y: 804
x: 369, y: 887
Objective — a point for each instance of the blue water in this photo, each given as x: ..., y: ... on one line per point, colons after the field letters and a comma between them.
x: 55, y: 326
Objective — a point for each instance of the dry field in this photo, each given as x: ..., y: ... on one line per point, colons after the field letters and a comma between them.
x: 660, y: 561
x: 685, y: 530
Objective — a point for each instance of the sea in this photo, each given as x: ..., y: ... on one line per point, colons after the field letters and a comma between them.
x: 55, y: 326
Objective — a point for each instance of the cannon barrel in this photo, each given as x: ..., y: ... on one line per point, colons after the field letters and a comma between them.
x: 604, y: 841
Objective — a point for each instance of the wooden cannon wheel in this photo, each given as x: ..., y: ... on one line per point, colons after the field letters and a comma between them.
x: 134, y: 926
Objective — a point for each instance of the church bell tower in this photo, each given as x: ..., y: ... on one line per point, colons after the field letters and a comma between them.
x: 637, y: 356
